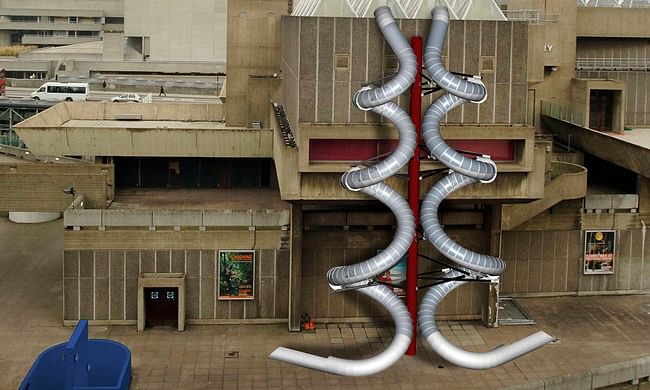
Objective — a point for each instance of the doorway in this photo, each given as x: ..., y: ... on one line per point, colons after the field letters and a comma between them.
x: 161, y: 306
x: 161, y: 300
x: 601, y: 109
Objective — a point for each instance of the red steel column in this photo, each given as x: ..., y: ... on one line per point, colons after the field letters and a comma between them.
x: 414, y: 193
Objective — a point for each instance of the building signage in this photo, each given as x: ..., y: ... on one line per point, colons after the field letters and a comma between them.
x: 395, y: 277
x: 599, y: 251
x: 236, y: 275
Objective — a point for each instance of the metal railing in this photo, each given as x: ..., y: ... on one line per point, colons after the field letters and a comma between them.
x: 620, y: 63
x: 532, y: 16
x: 570, y: 113
x: 614, y: 3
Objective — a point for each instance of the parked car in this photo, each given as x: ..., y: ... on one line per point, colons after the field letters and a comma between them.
x: 127, y: 97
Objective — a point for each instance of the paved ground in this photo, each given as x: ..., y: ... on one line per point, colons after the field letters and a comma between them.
x: 592, y: 331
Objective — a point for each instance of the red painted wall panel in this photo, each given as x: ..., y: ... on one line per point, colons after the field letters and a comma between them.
x: 364, y: 149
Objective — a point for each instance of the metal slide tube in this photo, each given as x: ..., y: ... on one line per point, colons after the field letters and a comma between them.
x: 369, y: 181
x: 460, y: 357
x: 387, y: 258
x: 445, y: 153
x: 403, y: 333
x: 432, y: 61
x: 379, y: 101
x: 355, y: 179
x: 466, y: 171
x: 367, y: 98
x: 437, y: 236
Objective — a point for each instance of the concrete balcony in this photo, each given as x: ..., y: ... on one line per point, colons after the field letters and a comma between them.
x: 141, y: 130
x: 55, y: 41
x: 45, y: 26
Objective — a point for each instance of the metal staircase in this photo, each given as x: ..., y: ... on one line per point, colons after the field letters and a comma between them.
x: 285, y: 126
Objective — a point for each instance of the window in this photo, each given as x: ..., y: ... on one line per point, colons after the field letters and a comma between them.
x: 342, y: 61
x: 87, y: 33
x: 24, y: 19
x: 77, y: 89
x: 114, y: 20
x: 486, y: 64
x: 73, y: 19
x: 51, y: 19
x: 391, y: 63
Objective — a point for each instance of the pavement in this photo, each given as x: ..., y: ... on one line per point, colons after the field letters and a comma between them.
x: 592, y: 331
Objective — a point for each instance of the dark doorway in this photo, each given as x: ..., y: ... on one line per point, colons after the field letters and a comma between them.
x: 187, y: 172
x: 161, y: 306
x: 601, y: 109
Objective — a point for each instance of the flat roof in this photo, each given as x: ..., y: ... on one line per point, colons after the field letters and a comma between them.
x: 138, y: 124
x: 638, y: 136
x: 11, y: 159
x: 199, y: 199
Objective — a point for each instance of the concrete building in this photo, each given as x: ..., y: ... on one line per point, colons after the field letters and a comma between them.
x: 182, y: 187
x: 56, y: 23
x: 115, y: 38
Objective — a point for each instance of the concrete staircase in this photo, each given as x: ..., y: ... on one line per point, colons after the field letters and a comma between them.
x: 568, y: 181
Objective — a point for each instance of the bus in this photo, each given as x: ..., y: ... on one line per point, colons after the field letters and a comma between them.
x: 3, y: 82
x: 56, y: 92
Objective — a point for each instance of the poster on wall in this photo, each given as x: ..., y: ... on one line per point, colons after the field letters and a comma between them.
x: 236, y: 275
x: 395, y: 277
x: 599, y: 251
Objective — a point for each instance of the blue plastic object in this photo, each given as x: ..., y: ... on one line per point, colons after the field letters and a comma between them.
x: 81, y: 364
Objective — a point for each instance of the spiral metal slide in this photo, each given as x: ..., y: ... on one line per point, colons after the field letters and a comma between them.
x: 370, y: 182
x: 465, y: 171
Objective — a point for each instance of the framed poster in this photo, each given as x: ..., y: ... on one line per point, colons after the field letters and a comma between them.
x: 599, y: 251
x: 236, y: 275
x: 395, y: 277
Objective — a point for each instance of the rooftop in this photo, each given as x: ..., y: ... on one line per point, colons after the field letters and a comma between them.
x: 199, y: 199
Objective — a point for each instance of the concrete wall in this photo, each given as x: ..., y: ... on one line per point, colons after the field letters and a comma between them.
x: 612, y: 22
x: 39, y: 186
x: 102, y: 284
x: 555, y: 81
x: 337, y: 55
x: 110, y: 7
x: 631, y: 57
x: 113, y: 46
x: 179, y: 31
x: 548, y: 261
x: 253, y: 52
x: 324, y: 250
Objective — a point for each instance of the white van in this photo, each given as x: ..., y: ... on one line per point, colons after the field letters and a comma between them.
x: 56, y: 92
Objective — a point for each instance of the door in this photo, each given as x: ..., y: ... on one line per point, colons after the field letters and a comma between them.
x: 161, y: 306
x: 601, y: 109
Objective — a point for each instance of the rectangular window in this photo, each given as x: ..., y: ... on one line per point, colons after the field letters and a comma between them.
x: 342, y: 61
x: 73, y: 19
x: 487, y: 64
x: 391, y: 63
x: 24, y: 19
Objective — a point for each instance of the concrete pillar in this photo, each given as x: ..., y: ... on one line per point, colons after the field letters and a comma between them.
x: 490, y: 309
x: 295, y: 285
x: 643, y: 184
x: 5, y: 38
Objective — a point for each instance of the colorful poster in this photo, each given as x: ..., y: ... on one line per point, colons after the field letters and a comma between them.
x: 395, y: 277
x: 236, y: 275
x: 599, y: 251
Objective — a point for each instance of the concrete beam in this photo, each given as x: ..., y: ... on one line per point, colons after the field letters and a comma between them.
x: 630, y: 156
